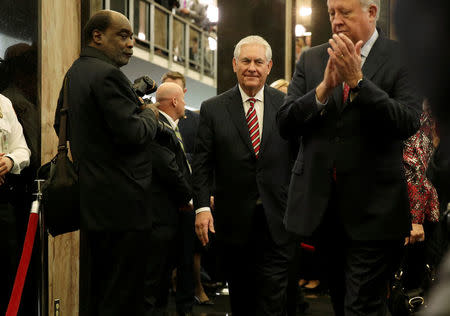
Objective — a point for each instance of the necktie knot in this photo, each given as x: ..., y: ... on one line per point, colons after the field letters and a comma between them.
x: 252, y: 102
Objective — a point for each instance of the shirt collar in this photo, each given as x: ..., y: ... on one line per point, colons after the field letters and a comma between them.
x: 365, y: 50
x: 259, y: 96
x: 171, y: 121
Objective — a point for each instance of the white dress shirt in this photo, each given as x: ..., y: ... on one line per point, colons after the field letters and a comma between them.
x: 12, y: 141
x: 172, y: 123
x: 259, y: 106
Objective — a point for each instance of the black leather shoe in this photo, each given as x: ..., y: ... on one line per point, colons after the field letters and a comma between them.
x: 198, y: 302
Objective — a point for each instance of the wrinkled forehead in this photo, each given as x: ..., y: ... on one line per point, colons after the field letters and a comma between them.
x: 253, y: 51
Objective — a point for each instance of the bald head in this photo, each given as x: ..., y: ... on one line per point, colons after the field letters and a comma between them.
x: 168, y: 90
x: 170, y: 97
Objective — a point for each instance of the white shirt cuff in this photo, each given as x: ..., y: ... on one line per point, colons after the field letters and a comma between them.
x: 321, y: 105
x: 202, y: 209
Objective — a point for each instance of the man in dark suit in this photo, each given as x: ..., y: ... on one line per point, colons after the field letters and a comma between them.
x: 189, y: 123
x: 348, y: 183
x: 238, y: 141
x: 171, y: 194
x: 109, y: 136
x: 188, y: 267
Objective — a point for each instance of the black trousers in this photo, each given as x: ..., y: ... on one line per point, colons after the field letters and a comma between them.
x: 112, y: 270
x: 9, y: 249
x: 357, y: 271
x: 162, y: 242
x: 172, y: 247
x: 257, y: 272
x: 184, y: 297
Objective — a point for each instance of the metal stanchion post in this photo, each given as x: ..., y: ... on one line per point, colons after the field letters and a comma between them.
x: 43, y: 237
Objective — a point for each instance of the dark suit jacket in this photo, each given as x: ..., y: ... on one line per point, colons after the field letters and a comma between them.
x: 171, y: 187
x: 109, y: 139
x: 188, y: 129
x: 362, y: 139
x: 223, y: 146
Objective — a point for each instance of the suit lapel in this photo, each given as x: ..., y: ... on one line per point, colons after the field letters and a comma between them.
x: 236, y: 110
x: 268, y: 120
x: 372, y: 64
x: 376, y: 58
x: 163, y: 119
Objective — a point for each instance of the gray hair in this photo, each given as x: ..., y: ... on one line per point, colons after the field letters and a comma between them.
x: 253, y: 39
x: 366, y: 3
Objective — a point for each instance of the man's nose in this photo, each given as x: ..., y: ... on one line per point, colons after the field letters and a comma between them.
x: 130, y: 42
x: 252, y: 66
x: 337, y: 19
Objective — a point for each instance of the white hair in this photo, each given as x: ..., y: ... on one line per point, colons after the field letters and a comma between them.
x: 253, y: 39
x: 366, y: 3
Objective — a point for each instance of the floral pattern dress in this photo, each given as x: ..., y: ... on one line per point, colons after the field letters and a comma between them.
x: 416, y: 156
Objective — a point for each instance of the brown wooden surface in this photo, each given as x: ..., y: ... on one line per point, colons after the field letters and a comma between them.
x: 60, y: 46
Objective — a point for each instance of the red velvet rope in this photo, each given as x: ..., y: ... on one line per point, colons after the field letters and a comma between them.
x: 14, y: 301
x: 307, y: 247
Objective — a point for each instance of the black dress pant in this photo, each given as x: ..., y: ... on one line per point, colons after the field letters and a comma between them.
x: 357, y: 271
x: 257, y: 272
x: 112, y: 272
x: 171, y: 246
x: 184, y: 297
x: 162, y: 243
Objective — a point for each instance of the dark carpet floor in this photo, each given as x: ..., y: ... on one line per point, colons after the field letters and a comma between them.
x: 318, y: 306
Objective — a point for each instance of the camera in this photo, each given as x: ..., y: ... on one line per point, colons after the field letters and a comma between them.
x: 144, y: 85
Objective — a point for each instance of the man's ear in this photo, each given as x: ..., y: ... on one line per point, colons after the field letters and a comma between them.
x: 373, y: 10
x: 234, y: 65
x: 97, y: 37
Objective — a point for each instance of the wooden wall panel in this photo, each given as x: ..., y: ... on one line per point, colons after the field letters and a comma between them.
x: 60, y: 46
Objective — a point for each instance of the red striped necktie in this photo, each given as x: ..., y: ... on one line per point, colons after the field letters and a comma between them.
x: 345, y: 92
x: 253, y: 126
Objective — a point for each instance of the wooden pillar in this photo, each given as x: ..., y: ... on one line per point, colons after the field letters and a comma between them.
x: 59, y: 36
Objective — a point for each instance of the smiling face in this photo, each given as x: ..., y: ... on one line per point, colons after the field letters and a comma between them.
x: 116, y: 42
x: 252, y: 68
x: 350, y: 18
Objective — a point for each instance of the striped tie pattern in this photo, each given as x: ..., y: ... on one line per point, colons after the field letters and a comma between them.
x: 253, y: 126
x: 180, y: 140
x: 345, y: 93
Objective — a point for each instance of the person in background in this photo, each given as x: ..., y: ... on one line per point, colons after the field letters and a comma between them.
x: 188, y: 126
x: 14, y: 157
x: 170, y: 197
x: 295, y: 298
x: 18, y: 82
x: 353, y: 103
x: 423, y: 197
x: 281, y: 85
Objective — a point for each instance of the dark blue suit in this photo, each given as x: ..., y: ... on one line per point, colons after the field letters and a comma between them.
x: 364, y: 213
